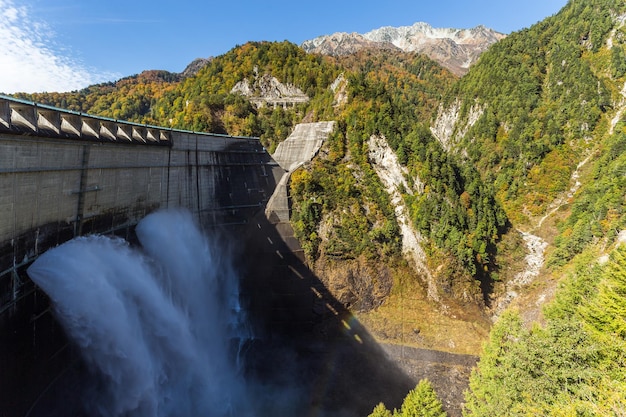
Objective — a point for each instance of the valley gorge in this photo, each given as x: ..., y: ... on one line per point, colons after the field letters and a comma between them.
x: 464, y: 200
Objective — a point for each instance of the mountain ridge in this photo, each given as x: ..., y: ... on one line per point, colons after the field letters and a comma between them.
x: 455, y: 49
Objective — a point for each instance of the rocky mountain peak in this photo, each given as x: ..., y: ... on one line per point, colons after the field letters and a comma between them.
x: 455, y: 49
x: 342, y: 43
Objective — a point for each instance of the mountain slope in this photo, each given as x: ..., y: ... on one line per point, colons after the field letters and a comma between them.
x: 455, y: 49
x: 537, y: 104
x: 541, y: 117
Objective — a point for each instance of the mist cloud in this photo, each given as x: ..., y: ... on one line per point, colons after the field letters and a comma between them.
x: 29, y: 61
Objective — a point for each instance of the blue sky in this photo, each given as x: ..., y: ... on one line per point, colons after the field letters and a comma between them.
x: 60, y: 45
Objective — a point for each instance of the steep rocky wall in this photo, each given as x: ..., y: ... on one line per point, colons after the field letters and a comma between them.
x: 393, y: 175
x: 447, y: 128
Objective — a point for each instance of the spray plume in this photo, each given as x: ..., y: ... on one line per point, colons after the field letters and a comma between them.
x: 158, y: 326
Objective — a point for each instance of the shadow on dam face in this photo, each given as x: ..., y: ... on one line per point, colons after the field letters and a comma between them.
x: 308, y: 350
x: 307, y: 337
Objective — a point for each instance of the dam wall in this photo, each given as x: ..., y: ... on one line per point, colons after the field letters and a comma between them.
x: 65, y: 174
x: 56, y: 185
x: 54, y: 190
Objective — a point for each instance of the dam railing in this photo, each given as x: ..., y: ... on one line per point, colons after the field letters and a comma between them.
x: 21, y: 116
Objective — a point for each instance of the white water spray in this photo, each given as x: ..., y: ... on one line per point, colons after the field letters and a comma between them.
x: 156, y: 325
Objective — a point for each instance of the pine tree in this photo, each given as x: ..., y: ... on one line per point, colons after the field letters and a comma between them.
x: 607, y: 314
x: 489, y: 393
x: 422, y: 402
x: 381, y: 411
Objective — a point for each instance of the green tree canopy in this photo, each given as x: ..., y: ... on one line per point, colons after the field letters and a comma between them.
x: 422, y: 401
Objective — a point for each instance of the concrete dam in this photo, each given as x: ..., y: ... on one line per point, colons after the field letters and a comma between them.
x: 65, y: 174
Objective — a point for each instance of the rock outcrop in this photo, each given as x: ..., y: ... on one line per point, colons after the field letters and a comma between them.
x: 446, y: 128
x: 195, y: 66
x: 393, y: 176
x: 339, y: 87
x: 267, y: 90
x: 342, y: 43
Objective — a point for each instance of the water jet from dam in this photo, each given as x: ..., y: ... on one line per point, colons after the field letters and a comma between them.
x: 159, y: 326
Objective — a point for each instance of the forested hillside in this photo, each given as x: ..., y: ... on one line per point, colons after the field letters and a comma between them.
x: 130, y: 98
x: 572, y: 365
x: 540, y: 116
x: 544, y: 96
x: 204, y: 102
x: 532, y: 140
x: 395, y: 95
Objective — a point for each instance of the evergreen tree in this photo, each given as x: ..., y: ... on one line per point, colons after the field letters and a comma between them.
x: 607, y: 313
x: 573, y: 365
x: 422, y: 401
x: 381, y: 411
x: 488, y: 394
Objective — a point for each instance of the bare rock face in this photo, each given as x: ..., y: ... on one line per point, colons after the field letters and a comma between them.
x: 340, y: 87
x: 447, y: 129
x: 455, y: 49
x: 358, y: 284
x: 195, y: 66
x: 266, y: 89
